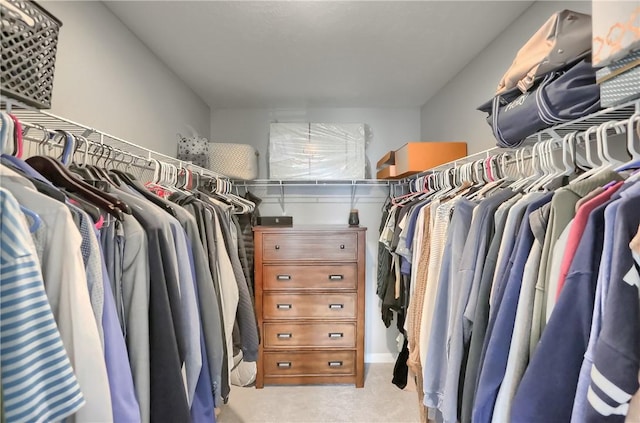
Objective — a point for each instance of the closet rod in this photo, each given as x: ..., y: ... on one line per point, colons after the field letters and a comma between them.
x: 311, y: 182
x: 50, y: 121
x: 453, y: 163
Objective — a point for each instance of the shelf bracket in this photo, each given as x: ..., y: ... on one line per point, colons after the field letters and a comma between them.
x: 353, y: 194
x: 281, y: 201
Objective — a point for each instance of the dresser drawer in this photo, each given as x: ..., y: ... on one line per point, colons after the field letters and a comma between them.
x: 285, y: 277
x: 287, y: 335
x: 309, y: 306
x: 309, y: 363
x: 310, y: 246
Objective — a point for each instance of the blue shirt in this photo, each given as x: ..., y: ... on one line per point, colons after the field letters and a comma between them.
x: 497, y: 354
x: 475, y: 249
x: 405, y: 262
x: 123, y: 398
x: 202, y: 407
x: 548, y: 386
x: 436, y: 365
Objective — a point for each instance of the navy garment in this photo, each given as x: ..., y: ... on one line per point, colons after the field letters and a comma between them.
x: 548, y: 387
x: 481, y: 320
x: 497, y: 353
x: 503, y: 268
x: 617, y: 353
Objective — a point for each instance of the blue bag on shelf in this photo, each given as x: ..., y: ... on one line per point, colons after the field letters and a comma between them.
x: 557, y: 97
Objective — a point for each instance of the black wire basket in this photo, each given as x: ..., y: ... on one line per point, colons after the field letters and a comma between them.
x: 29, y: 38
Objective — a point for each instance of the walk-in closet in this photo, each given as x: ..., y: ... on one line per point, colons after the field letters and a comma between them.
x: 319, y: 211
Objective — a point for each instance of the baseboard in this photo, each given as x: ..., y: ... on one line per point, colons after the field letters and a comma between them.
x: 379, y: 358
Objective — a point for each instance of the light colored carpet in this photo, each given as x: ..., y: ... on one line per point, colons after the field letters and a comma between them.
x: 378, y: 401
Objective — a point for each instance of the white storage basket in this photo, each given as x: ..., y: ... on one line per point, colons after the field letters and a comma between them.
x: 237, y: 161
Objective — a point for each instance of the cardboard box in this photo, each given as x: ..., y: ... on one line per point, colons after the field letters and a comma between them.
x: 415, y: 157
x: 388, y: 172
x: 386, y: 166
x: 388, y: 159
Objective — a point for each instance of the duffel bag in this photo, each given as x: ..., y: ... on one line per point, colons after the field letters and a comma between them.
x: 557, y: 97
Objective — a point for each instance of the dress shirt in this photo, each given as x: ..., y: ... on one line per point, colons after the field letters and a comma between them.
x: 440, y: 218
x: 112, y: 244
x: 92, y: 259
x: 202, y: 405
x: 123, y: 398
x: 207, y: 297
x: 416, y: 300
x: 436, y: 364
x: 135, y: 294
x: 414, y: 312
x: 497, y: 352
x: 66, y: 286
x: 189, y: 303
x: 38, y: 383
x: 168, y: 399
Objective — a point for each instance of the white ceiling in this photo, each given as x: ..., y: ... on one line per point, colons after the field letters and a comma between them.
x: 316, y: 53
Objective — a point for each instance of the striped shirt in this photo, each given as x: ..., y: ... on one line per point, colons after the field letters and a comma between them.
x: 38, y: 382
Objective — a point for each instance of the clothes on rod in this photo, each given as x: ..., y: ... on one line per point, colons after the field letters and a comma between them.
x: 523, y: 304
x: 144, y: 304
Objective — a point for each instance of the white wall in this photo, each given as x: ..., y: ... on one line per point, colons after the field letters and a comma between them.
x: 390, y: 129
x: 105, y: 77
x: 451, y: 114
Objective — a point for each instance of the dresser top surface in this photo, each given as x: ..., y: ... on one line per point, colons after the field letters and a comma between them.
x: 309, y: 228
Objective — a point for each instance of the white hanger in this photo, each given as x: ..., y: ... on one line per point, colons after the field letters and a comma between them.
x: 620, y: 129
x: 538, y: 165
x: 595, y: 168
x: 569, y: 160
x: 631, y: 133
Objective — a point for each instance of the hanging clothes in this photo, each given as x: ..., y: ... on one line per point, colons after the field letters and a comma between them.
x: 143, y: 292
x: 484, y: 325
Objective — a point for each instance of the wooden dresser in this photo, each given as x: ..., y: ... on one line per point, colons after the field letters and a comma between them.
x: 309, y: 287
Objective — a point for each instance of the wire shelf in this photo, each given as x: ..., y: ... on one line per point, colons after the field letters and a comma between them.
x: 52, y: 122
x: 616, y: 113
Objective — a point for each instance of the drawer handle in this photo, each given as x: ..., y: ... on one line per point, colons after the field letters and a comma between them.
x: 336, y: 277
x: 336, y: 335
x: 284, y: 364
x: 336, y: 306
x: 277, y: 247
x: 284, y: 277
x: 284, y: 335
x: 335, y: 363
x: 284, y: 306
x: 342, y: 246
